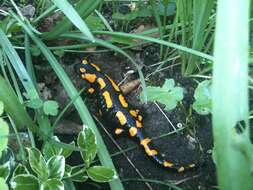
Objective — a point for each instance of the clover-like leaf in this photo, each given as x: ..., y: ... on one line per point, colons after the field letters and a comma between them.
x: 87, y: 142
x: 3, y: 185
x: 52, y: 184
x: 50, y: 107
x: 25, y: 182
x: 101, y: 173
x: 203, y: 98
x: 4, y: 132
x: 168, y: 94
x: 56, y: 167
x: 38, y: 163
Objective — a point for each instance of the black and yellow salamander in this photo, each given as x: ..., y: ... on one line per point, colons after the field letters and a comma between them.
x: 114, y: 108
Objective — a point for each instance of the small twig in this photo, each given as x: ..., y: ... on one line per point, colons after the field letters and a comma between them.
x: 186, y: 179
x: 160, y: 109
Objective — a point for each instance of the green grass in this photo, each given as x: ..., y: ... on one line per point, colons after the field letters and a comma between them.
x: 188, y: 39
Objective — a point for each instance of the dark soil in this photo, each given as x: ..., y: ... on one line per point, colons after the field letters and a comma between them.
x: 192, y: 144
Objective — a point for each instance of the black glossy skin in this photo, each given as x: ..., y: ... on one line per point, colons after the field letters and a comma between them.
x: 110, y: 114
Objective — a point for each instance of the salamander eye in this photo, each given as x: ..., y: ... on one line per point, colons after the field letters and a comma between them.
x: 80, y: 69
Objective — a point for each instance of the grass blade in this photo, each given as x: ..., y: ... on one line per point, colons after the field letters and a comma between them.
x: 83, y: 8
x: 79, y: 104
x: 150, y: 39
x: 18, y: 66
x: 74, y: 17
x: 13, y: 107
x: 233, y: 148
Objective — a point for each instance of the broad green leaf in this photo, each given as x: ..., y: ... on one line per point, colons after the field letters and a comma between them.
x: 20, y: 169
x: 101, y: 174
x: 5, y: 170
x: 1, y: 108
x: 50, y: 149
x: 66, y: 152
x: 56, y: 166
x: 38, y: 163
x: 87, y: 142
x: 203, y: 98
x: 50, y: 107
x: 35, y: 103
x: 3, y: 185
x: 78, y: 174
x: 52, y: 184
x: 168, y: 94
x: 25, y: 182
x: 4, y: 132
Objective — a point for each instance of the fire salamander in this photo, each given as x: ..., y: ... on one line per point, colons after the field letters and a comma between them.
x: 114, y: 108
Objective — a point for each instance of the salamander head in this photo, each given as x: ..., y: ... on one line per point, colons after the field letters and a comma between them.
x: 86, y: 67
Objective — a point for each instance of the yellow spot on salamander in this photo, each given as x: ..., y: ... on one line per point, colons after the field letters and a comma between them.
x: 133, y: 113
x: 144, y: 143
x: 167, y: 164
x: 82, y: 70
x: 114, y: 85
x: 90, y: 77
x: 84, y: 62
x: 139, y: 117
x: 96, y: 67
x: 192, y: 165
x: 151, y: 152
x: 123, y: 101
x: 91, y: 90
x: 101, y: 83
x: 181, y: 169
x: 137, y: 111
x: 138, y: 124
x: 133, y: 131
x: 118, y: 131
x: 121, y: 117
x: 108, y: 99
